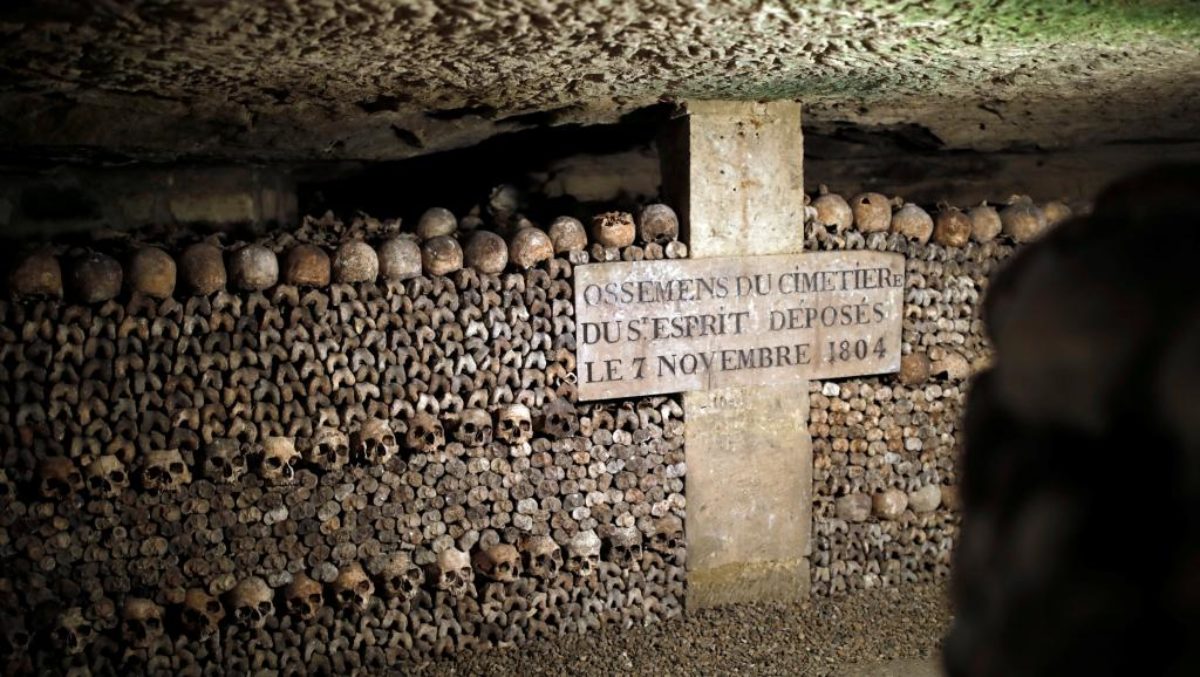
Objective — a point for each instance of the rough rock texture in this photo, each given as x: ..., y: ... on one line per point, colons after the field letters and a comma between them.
x: 365, y: 79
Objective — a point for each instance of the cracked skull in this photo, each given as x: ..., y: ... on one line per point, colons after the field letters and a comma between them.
x: 352, y: 588
x: 141, y: 622
x: 303, y: 597
x: 625, y: 548
x: 165, y: 471
x: 454, y: 575
x: 474, y: 428
x: 279, y: 460
x: 425, y: 433
x: 499, y: 562
x: 58, y: 478
x: 583, y: 553
x: 251, y: 602
x: 106, y: 477
x: 224, y: 462
x: 201, y: 614
x: 559, y: 419
x: 375, y: 442
x: 72, y: 632
x: 542, y: 556
x: 400, y: 577
x: 330, y: 449
x: 668, y: 536
x: 515, y: 424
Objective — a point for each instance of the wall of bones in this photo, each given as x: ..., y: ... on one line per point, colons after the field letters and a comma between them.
x: 885, y: 495
x: 344, y: 446
x: 339, y: 447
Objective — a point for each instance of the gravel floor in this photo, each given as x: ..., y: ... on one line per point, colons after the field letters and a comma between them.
x: 868, y: 633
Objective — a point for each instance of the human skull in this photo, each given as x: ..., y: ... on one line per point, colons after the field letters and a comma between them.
x: 152, y: 272
x: 224, y: 462
x: 658, y: 223
x: 529, y: 247
x: 436, y: 222
x: 251, y: 602
x: 399, y: 258
x: 201, y: 614
x: 668, y: 536
x: 913, y: 222
x: 374, y: 443
x: 165, y: 471
x: 833, y: 213
x: 567, y: 234
x: 441, y: 256
x: 253, y: 268
x: 355, y: 262
x: 141, y: 622
x: 106, y: 477
x: 425, y: 433
x: 872, y: 212
x: 514, y: 424
x: 202, y: 268
x: 279, y: 460
x: 58, y: 478
x: 474, y: 428
x: 542, y: 556
x: 330, y: 449
x: 352, y: 588
x: 303, y: 597
x: 583, y: 553
x: 559, y: 419
x: 614, y: 229
x: 96, y: 277
x: 1022, y: 220
x: 454, y: 574
x: 306, y: 265
x: 72, y: 632
x: 625, y: 548
x: 500, y: 562
x: 39, y: 275
x: 985, y: 222
x: 400, y: 577
x: 486, y: 252
x: 951, y: 228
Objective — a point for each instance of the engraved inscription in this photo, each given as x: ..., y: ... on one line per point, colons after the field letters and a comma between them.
x: 672, y: 326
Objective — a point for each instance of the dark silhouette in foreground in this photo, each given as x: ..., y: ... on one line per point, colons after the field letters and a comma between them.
x: 1079, y: 552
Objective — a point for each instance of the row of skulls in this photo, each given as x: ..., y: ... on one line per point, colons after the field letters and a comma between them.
x: 224, y: 461
x: 392, y: 579
x: 434, y: 250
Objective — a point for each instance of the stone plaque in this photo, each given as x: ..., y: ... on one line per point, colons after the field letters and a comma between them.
x: 652, y: 327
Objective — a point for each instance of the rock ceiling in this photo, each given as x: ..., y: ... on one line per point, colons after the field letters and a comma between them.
x: 302, y: 80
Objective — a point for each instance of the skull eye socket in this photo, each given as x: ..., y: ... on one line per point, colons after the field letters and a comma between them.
x: 315, y: 598
x: 176, y: 467
x: 274, y: 462
x: 153, y: 623
x: 264, y: 607
x: 213, y: 607
x: 117, y: 476
x: 469, y: 428
x: 364, y: 586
